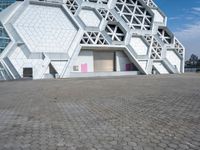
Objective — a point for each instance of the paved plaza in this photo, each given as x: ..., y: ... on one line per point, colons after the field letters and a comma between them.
x: 120, y: 113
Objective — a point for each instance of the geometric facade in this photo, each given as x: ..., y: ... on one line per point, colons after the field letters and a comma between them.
x: 82, y: 38
x: 45, y: 29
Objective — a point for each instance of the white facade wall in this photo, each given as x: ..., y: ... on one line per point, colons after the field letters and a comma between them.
x: 139, y: 46
x: 160, y: 68
x: 173, y: 59
x: 158, y: 17
x: 143, y: 63
x: 87, y: 57
x: 85, y: 60
x: 19, y: 61
x: 121, y: 61
x: 59, y: 66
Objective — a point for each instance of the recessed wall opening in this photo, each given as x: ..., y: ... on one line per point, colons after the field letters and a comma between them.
x: 27, y: 72
x: 104, y: 61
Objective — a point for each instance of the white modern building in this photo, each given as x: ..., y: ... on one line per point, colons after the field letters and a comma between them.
x: 82, y: 38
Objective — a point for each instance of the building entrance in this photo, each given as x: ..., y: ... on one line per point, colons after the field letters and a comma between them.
x: 27, y: 72
x: 103, y: 61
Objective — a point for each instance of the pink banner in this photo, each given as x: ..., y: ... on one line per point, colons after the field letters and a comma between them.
x: 84, y: 68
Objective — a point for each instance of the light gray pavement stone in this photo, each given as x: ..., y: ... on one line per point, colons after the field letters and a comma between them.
x: 122, y: 113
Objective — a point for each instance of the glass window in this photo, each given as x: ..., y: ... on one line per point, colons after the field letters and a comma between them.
x: 5, y: 3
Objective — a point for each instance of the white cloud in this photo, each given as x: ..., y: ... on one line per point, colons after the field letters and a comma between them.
x: 196, y: 9
x: 174, y: 18
x: 192, y: 31
x: 190, y: 37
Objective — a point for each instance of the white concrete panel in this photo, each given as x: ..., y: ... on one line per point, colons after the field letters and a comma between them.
x: 143, y: 63
x: 85, y: 58
x: 139, y: 46
x: 158, y: 16
x: 59, y: 66
x: 121, y: 61
x: 89, y: 18
x: 161, y: 69
x: 173, y: 59
x: 45, y: 29
x: 19, y: 61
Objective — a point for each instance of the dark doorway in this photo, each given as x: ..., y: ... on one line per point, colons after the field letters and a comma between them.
x: 27, y: 72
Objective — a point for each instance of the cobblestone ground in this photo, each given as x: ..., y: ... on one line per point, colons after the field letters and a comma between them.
x: 127, y: 113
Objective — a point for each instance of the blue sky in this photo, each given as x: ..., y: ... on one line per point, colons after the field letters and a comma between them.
x: 184, y: 21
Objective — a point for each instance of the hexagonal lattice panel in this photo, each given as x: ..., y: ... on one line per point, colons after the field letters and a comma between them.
x: 93, y: 38
x: 115, y: 32
x: 134, y: 14
x: 178, y: 47
x: 156, y: 48
x: 164, y: 36
x: 45, y: 29
x: 106, y: 15
x: 150, y: 3
x: 98, y: 1
x: 89, y: 18
x: 72, y: 5
x: 4, y: 38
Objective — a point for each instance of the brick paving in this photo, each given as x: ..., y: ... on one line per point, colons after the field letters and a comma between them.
x: 121, y: 113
